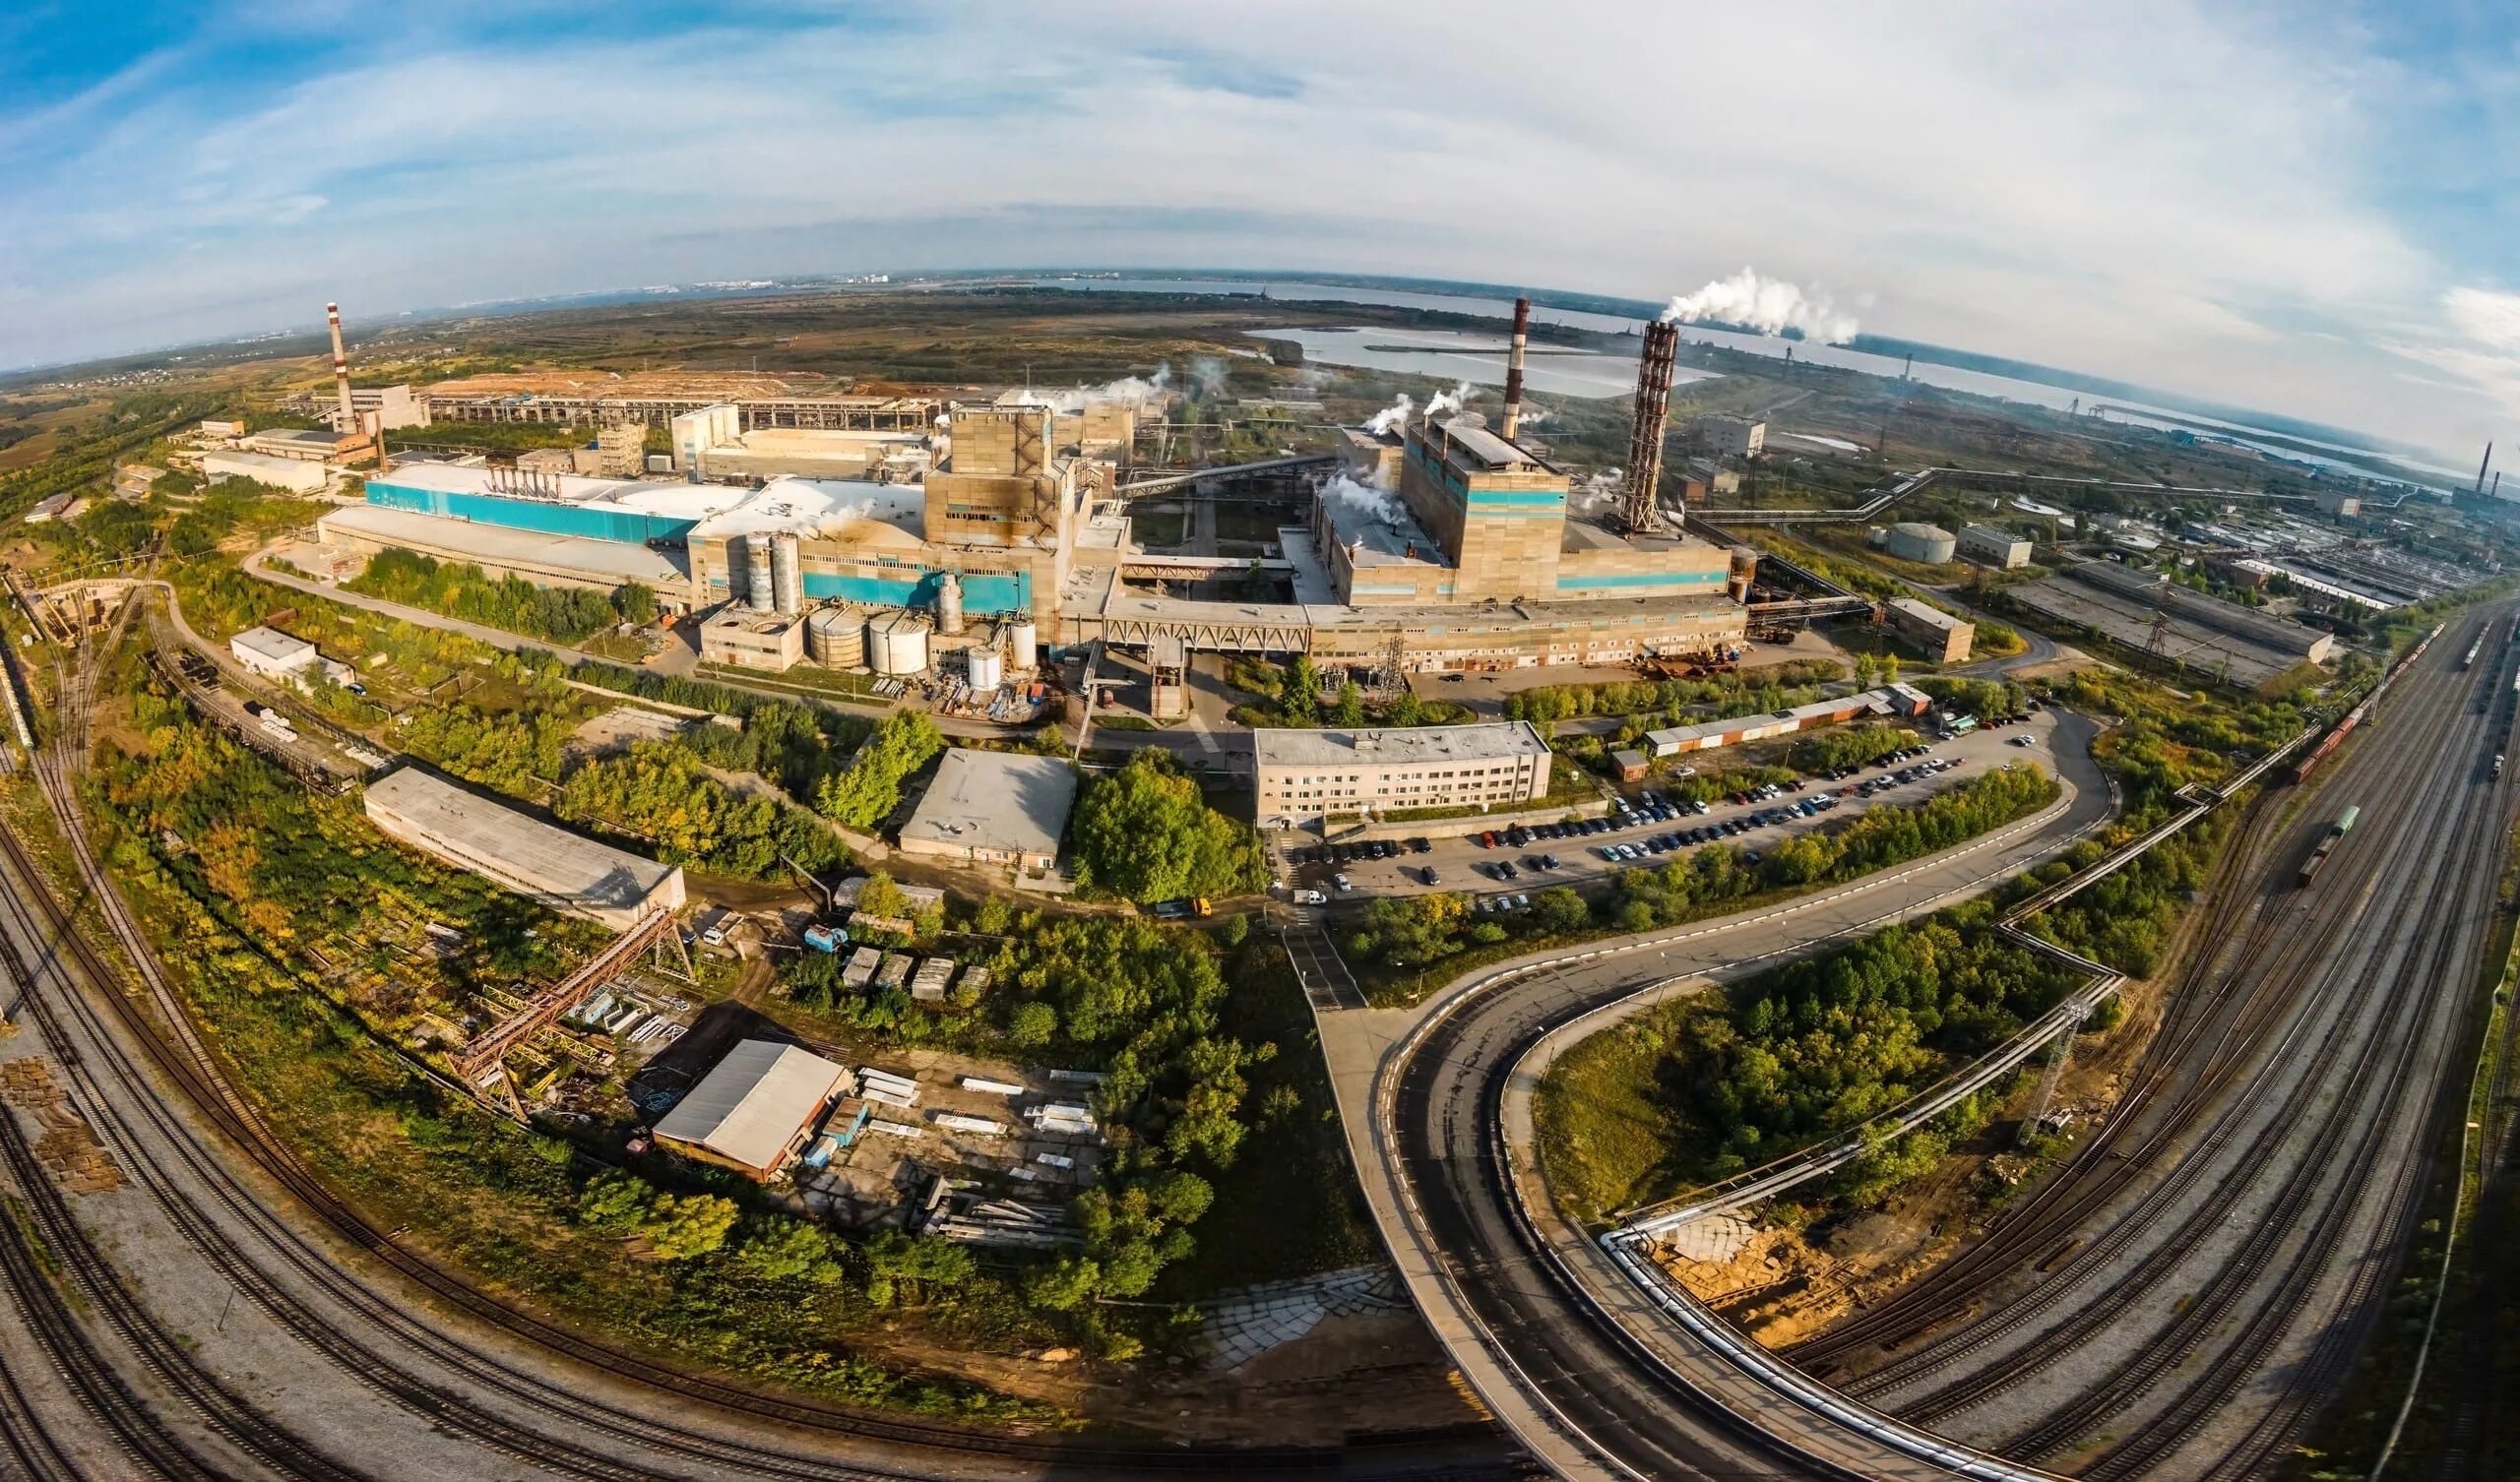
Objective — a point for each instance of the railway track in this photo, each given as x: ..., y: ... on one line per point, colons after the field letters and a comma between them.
x: 176, y: 1052
x: 2353, y: 1136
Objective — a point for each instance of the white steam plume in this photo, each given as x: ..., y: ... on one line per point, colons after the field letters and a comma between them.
x: 1769, y: 305
x: 1137, y: 391
x: 1360, y: 503
x: 1391, y: 417
x: 1444, y: 402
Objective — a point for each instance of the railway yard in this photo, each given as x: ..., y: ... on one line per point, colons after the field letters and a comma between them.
x: 2176, y: 1303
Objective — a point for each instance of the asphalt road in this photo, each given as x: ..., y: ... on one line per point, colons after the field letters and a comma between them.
x: 1421, y: 1092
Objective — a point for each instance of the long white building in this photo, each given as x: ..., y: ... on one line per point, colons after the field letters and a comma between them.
x: 1303, y: 776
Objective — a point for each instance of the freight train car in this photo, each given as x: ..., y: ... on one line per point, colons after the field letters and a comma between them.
x: 2335, y: 836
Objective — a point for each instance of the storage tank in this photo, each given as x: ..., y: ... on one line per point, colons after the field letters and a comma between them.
x: 787, y: 573
x: 1745, y: 571
x: 987, y: 668
x: 949, y: 605
x: 835, y: 638
x: 1024, y: 645
x: 759, y: 594
x: 896, y: 642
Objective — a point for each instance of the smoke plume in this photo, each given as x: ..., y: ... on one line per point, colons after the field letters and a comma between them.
x: 1768, y: 305
x: 1443, y: 402
x: 1392, y: 418
x: 1137, y: 391
x: 1358, y: 503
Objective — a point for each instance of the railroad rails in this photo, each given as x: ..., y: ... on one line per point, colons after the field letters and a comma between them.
x: 386, y: 1338
x: 2347, y: 1168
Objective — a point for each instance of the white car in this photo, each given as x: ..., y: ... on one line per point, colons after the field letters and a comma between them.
x: 715, y: 935
x: 1344, y: 884
x: 1311, y: 897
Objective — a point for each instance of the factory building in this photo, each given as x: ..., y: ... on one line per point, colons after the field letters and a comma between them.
x: 1303, y: 776
x: 1915, y: 541
x: 711, y: 446
x: 754, y: 1109
x: 2001, y: 549
x: 271, y: 653
x: 1895, y: 701
x: 385, y: 407
x: 1942, y: 638
x: 296, y: 475
x: 517, y: 851
x: 737, y: 636
x: 1729, y: 436
x: 312, y: 444
x: 993, y: 808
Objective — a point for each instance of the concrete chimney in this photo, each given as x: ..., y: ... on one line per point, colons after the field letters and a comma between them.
x: 2483, y: 464
x: 1514, y: 368
x: 1654, y: 369
x: 347, y: 421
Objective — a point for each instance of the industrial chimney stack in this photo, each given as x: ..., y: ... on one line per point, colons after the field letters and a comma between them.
x: 1653, y: 408
x: 1514, y: 368
x: 347, y: 421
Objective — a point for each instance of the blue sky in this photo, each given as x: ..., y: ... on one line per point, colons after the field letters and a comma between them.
x: 2301, y: 207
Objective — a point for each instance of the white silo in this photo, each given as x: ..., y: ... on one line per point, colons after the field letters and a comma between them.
x: 949, y: 605
x: 896, y: 642
x: 759, y: 593
x: 986, y: 668
x: 835, y: 638
x: 787, y: 573
x: 1024, y: 640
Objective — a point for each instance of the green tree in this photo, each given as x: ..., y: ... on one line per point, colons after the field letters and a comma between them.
x: 1144, y: 834
x: 1351, y: 711
x: 1033, y: 1025
x: 634, y: 602
x: 866, y: 792
x: 1300, y: 699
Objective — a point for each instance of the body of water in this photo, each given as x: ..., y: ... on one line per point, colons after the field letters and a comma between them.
x: 1470, y: 361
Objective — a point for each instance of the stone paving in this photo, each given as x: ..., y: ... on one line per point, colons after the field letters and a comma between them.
x: 1257, y: 1319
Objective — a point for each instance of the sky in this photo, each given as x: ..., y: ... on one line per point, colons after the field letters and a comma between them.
x: 2305, y: 207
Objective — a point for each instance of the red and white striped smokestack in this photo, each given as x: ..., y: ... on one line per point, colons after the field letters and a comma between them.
x: 1514, y: 367
x: 348, y: 419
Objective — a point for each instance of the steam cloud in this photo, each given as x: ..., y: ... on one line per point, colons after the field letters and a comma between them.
x: 1769, y: 305
x: 1444, y: 402
x: 1360, y: 503
x: 1391, y: 417
x: 1137, y: 391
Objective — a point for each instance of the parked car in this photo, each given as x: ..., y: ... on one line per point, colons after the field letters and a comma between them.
x: 1311, y: 897
x: 1432, y: 877
x: 1344, y: 884
x: 1419, y: 846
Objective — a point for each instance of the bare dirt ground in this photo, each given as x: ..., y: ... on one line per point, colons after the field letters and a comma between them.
x: 1792, y: 1281
x: 67, y: 1148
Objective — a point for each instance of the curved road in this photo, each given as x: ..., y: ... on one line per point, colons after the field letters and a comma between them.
x: 1422, y: 1096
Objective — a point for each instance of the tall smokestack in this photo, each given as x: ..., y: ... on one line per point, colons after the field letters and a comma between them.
x: 348, y: 419
x: 1514, y: 367
x: 1652, y: 409
x: 2483, y: 464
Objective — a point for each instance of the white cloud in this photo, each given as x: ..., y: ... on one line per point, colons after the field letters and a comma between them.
x: 2156, y: 190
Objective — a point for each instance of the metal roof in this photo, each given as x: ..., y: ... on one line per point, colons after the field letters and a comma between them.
x: 1398, y: 745
x: 996, y: 800
x: 274, y: 646
x: 751, y: 1105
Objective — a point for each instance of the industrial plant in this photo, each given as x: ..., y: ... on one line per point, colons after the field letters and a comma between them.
x: 903, y: 535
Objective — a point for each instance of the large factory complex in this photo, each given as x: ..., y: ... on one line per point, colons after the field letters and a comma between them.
x: 897, y: 533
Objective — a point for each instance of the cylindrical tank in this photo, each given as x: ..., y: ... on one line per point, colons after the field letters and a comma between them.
x: 1024, y: 645
x: 835, y: 638
x: 949, y: 605
x: 896, y: 642
x: 759, y: 594
x: 1745, y: 571
x: 787, y: 573
x: 987, y: 668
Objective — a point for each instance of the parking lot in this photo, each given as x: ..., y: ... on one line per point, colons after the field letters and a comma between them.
x: 1650, y: 834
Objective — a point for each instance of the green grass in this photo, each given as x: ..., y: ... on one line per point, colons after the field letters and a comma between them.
x: 1603, y: 1119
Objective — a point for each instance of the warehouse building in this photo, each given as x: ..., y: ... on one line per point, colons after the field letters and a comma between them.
x: 1897, y: 701
x: 1915, y: 541
x: 754, y: 1109
x: 296, y: 475
x: 565, y: 871
x: 993, y: 808
x: 2144, y: 612
x: 271, y: 653
x: 1305, y: 777
x: 2001, y: 549
x: 315, y: 445
x: 1731, y: 436
x: 545, y: 560
x: 1942, y: 638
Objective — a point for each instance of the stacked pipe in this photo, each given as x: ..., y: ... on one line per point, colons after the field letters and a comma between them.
x: 1654, y: 370
x: 1514, y: 367
x: 348, y: 420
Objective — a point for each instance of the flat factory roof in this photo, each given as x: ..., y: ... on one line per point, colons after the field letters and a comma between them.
x: 1380, y: 533
x: 607, y: 561
x: 1931, y: 616
x: 751, y: 1105
x: 565, y: 870
x: 828, y: 507
x: 257, y: 463
x: 996, y: 800
x: 274, y: 646
x: 1397, y: 745
x: 674, y: 501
